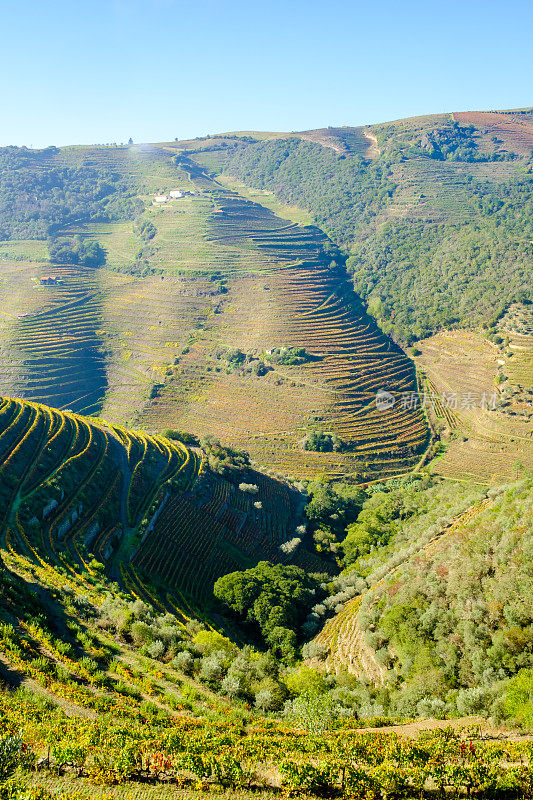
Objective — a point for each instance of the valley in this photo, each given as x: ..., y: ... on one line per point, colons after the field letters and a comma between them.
x: 265, y: 464
x: 221, y: 272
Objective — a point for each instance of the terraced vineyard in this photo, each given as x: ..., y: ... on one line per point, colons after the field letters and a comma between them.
x: 61, y: 358
x: 217, y: 528
x: 302, y: 300
x: 223, y: 271
x: 220, y: 271
x: 73, y: 489
x: 478, y: 393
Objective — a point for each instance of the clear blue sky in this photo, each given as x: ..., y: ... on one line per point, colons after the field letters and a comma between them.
x: 83, y: 72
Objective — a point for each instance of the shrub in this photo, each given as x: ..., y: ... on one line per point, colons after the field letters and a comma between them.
x: 223, y: 459
x: 291, y: 546
x: 141, y: 633
x: 184, y: 662
x: 264, y: 699
x: 156, y: 649
x: 14, y: 753
x: 321, y: 442
x: 518, y: 699
x: 431, y: 708
x: 181, y: 436
x: 231, y: 685
x: 313, y: 713
x: 306, y: 681
x: 251, y: 488
x: 288, y: 356
x: 315, y: 650
x: 473, y: 700
x: 211, y: 667
x: 209, y: 642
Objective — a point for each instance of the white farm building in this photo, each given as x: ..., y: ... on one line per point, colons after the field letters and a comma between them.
x: 175, y: 193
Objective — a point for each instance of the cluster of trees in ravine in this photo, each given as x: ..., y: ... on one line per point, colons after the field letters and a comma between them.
x: 450, y: 625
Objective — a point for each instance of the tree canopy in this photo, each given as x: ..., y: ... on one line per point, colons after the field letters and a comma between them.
x: 271, y: 599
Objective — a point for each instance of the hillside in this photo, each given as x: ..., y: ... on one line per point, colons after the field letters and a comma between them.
x: 117, y: 683
x: 148, y: 335
x: 432, y: 218
x: 106, y: 695
x: 149, y: 509
x: 443, y: 612
x: 481, y: 388
x: 432, y: 211
x: 434, y: 223
x: 265, y: 464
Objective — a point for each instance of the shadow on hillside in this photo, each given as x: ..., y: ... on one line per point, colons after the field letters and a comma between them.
x: 10, y: 677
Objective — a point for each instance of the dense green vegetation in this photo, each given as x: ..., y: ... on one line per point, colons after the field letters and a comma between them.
x: 273, y: 600
x: 322, y: 442
x: 288, y: 356
x: 75, y: 251
x: 435, y: 258
x: 419, y: 276
x: 330, y: 509
x: 39, y: 194
x: 343, y: 193
x: 443, y: 573
x: 221, y: 458
x: 382, y: 516
x: 460, y: 618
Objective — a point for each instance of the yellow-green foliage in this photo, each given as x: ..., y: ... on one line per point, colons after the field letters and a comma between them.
x: 459, y: 611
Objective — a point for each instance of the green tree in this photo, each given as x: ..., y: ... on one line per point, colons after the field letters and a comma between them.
x: 272, y: 600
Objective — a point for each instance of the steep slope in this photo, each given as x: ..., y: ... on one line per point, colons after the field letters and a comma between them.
x: 431, y: 222
x: 73, y: 489
x: 302, y: 301
x: 432, y: 214
x: 142, y: 338
x: 437, y: 228
x: 448, y: 606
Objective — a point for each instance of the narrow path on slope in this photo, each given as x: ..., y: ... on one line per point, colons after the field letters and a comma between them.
x: 16, y: 679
